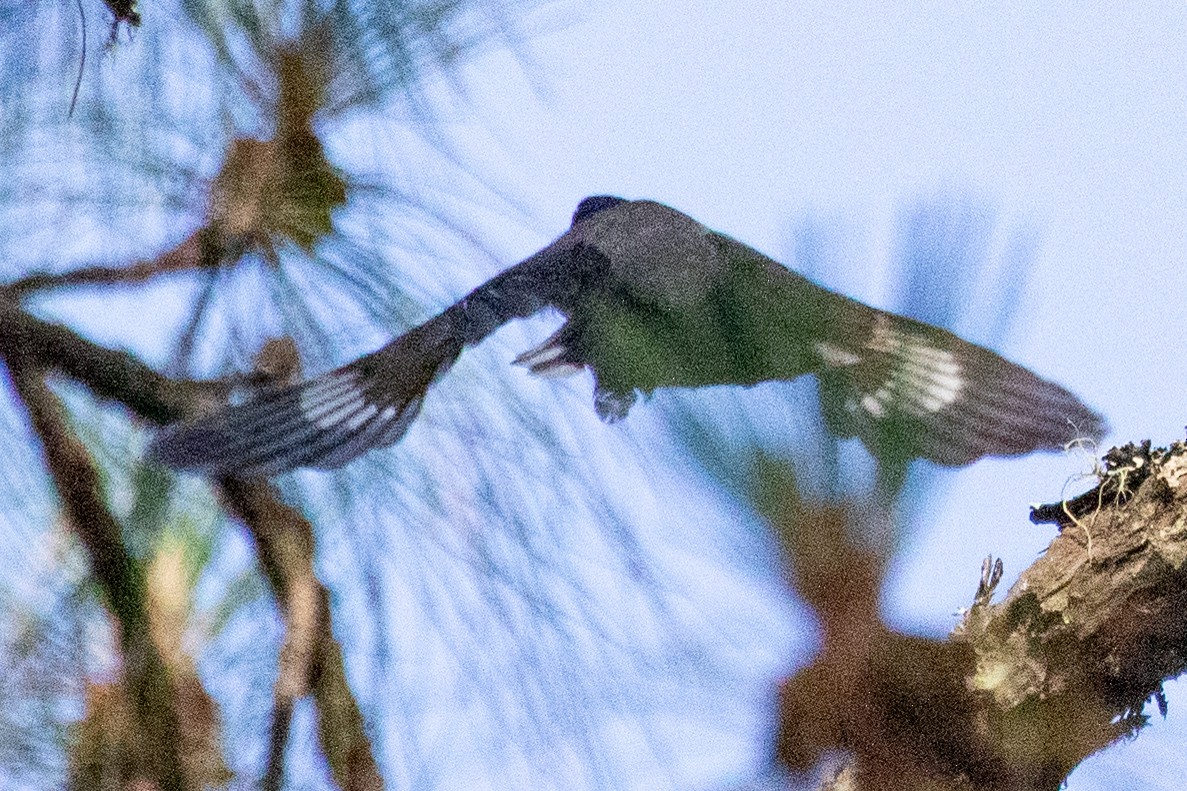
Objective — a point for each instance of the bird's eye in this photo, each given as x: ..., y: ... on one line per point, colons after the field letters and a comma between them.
x: 594, y: 204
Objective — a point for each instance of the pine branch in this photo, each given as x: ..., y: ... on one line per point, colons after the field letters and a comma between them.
x: 108, y: 373
x: 284, y: 538
x: 195, y: 252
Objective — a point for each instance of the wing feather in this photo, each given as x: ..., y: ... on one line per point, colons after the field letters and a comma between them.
x: 913, y: 390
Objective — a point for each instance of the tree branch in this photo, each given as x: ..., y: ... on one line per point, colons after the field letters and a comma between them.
x: 311, y: 656
x: 108, y: 373
x: 1024, y: 690
x: 284, y: 538
x: 157, y: 737
x: 193, y: 253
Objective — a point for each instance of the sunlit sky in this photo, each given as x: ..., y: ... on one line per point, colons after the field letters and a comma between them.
x: 1068, y: 121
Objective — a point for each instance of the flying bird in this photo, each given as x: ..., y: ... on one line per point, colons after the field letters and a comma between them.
x: 654, y: 299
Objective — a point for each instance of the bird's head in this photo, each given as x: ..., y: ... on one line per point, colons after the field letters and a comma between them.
x: 594, y: 204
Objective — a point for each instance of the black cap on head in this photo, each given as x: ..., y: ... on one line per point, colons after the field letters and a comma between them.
x: 595, y: 204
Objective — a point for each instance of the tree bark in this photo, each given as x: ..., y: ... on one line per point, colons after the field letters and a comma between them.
x: 1025, y: 689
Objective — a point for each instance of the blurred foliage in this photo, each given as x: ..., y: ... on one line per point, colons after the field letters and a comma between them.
x: 47, y: 646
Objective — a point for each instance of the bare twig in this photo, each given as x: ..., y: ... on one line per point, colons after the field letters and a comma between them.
x: 191, y: 254
x: 311, y: 657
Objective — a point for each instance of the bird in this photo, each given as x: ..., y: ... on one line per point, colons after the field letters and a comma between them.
x: 654, y: 299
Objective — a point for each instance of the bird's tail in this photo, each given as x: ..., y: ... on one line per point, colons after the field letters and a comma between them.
x: 912, y: 390
x: 324, y: 422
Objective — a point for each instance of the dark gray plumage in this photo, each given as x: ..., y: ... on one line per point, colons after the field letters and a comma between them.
x: 654, y: 299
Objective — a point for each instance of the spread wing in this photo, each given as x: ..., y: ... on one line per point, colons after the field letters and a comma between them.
x: 908, y: 389
x: 369, y: 403
x: 324, y: 422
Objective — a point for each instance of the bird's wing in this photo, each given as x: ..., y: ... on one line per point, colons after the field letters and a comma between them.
x: 369, y: 403
x: 324, y: 422
x: 905, y: 388
x: 908, y: 389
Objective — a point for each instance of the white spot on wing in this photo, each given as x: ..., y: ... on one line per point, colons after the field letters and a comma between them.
x: 934, y: 374
x: 835, y: 355
x: 400, y: 418
x: 328, y: 386
x: 328, y: 416
x: 330, y: 401
x: 873, y: 405
x: 361, y: 417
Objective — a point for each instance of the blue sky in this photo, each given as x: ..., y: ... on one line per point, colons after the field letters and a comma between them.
x: 1067, y: 122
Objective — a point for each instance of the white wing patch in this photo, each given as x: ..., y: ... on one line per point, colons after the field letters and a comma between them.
x: 359, y: 418
x: 923, y: 377
x: 329, y: 402
x: 835, y: 355
x: 875, y: 404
